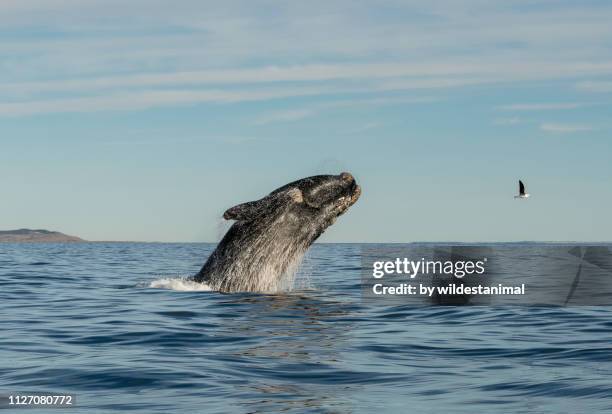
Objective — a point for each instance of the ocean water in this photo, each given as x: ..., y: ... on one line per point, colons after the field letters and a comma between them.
x: 117, y: 326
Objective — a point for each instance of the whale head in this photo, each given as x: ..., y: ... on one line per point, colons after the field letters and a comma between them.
x: 320, y: 198
x: 270, y: 235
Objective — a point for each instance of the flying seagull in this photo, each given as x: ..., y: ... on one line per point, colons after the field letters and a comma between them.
x: 522, y: 193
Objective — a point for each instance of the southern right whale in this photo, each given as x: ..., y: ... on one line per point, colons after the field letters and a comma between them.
x: 271, y: 235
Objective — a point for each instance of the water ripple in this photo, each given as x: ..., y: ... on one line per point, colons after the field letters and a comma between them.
x: 114, y: 324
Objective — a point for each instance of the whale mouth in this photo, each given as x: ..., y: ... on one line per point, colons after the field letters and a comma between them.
x: 352, y: 193
x: 355, y: 193
x: 349, y: 195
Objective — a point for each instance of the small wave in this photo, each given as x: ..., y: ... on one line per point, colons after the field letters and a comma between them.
x: 179, y: 283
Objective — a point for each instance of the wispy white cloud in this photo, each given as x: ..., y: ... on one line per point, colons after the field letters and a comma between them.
x: 154, y: 98
x: 400, y: 75
x: 232, y: 33
x: 298, y: 114
x: 147, y: 99
x: 594, y: 86
x: 387, y: 100
x: 284, y: 116
x: 564, y: 128
x: 507, y: 121
x: 121, y: 92
x: 363, y: 128
x: 239, y: 140
x: 543, y: 106
x: 427, y: 75
x: 139, y: 99
x: 59, y: 54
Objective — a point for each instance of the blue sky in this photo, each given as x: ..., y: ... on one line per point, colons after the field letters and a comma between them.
x: 145, y: 120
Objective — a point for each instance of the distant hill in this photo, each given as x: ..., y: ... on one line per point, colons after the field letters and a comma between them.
x: 36, y: 236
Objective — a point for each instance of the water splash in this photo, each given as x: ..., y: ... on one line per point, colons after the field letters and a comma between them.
x: 303, y: 274
x: 182, y: 284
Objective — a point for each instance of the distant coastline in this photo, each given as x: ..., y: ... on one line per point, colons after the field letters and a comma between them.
x: 37, y: 236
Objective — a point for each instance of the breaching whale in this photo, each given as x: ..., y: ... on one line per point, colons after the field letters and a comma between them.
x: 271, y: 235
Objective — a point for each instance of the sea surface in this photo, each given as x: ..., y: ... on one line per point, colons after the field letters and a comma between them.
x: 117, y: 325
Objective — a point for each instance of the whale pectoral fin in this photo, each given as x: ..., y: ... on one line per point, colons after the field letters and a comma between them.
x: 255, y: 209
x: 245, y: 211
